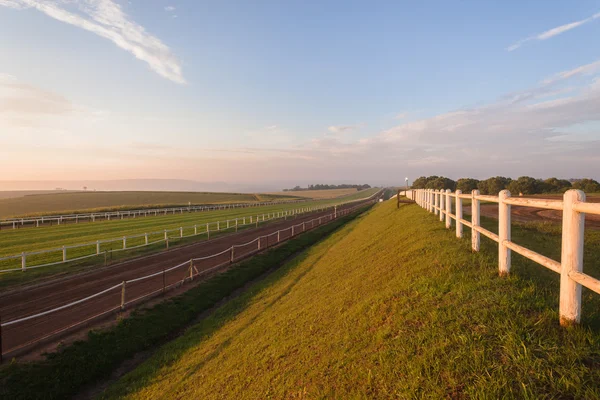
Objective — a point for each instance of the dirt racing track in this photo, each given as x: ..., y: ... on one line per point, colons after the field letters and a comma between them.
x: 104, y: 287
x: 531, y: 214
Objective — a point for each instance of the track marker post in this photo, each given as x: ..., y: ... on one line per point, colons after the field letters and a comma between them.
x: 123, y: 295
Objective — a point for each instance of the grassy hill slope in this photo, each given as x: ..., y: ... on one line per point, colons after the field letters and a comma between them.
x: 391, y: 306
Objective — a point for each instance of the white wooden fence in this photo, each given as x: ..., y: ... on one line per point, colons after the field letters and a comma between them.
x: 101, y: 248
x: 573, y: 207
x: 75, y: 252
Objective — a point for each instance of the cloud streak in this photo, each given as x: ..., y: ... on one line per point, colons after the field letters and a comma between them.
x: 553, y: 32
x: 106, y: 19
x: 341, y: 128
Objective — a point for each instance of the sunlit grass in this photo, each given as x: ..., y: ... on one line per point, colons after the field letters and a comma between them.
x: 391, y: 306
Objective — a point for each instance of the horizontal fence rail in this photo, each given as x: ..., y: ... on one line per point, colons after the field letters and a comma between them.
x: 573, y: 207
x: 16, y: 334
x: 102, y: 248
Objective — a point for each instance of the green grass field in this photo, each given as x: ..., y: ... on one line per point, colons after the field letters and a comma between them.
x: 79, y: 202
x: 13, y: 242
x: 391, y: 306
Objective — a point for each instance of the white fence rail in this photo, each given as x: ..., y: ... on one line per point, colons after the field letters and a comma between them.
x: 100, y: 248
x: 573, y: 207
x: 16, y: 223
x: 16, y: 332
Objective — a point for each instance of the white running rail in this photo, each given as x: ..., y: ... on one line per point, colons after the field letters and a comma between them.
x: 102, y: 248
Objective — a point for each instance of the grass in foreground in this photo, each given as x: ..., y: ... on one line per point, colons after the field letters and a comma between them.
x: 391, y: 306
x: 65, y: 373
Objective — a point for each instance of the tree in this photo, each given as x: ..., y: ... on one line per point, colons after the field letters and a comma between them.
x: 440, y: 183
x: 434, y: 182
x: 493, y: 186
x: 466, y: 185
x: 555, y: 185
x: 525, y: 185
x: 419, y: 183
x: 587, y: 185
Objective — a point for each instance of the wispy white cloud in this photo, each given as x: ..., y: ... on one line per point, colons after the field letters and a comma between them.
x: 105, y: 18
x: 169, y: 8
x: 341, y: 128
x: 553, y: 32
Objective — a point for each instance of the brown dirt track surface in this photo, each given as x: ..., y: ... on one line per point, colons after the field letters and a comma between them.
x: 32, y: 300
x: 530, y: 214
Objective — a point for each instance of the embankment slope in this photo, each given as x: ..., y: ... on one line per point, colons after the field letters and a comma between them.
x: 390, y: 306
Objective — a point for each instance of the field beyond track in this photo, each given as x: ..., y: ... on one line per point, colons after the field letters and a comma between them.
x: 391, y: 306
x: 316, y: 194
x: 77, y: 202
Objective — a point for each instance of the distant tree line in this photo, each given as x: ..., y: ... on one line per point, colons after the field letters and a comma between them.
x: 326, y: 187
x: 522, y: 185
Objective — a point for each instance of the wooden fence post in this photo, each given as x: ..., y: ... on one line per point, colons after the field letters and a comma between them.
x: 448, y: 209
x: 23, y: 261
x: 231, y: 255
x: 442, y: 204
x: 431, y: 200
x: 503, y: 233
x: 571, y: 258
x: 146, y: 238
x: 435, y: 202
x: 475, y: 220
x: 459, y: 215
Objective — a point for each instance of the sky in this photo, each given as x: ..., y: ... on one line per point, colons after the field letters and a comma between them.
x: 298, y: 91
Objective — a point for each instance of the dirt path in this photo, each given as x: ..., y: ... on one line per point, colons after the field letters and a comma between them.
x: 529, y: 214
x: 28, y: 301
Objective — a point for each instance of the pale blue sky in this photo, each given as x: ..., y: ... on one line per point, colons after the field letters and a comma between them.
x: 320, y: 90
